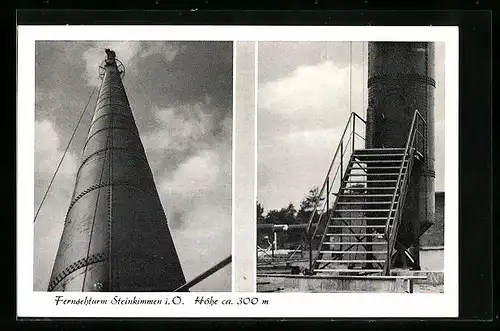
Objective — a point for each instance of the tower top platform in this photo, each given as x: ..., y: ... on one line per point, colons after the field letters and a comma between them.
x: 111, y: 60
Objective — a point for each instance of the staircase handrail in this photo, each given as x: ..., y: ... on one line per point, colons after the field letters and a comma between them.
x: 393, y: 222
x: 326, y: 183
x: 328, y: 191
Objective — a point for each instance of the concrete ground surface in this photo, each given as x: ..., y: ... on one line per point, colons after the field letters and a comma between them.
x: 428, y: 288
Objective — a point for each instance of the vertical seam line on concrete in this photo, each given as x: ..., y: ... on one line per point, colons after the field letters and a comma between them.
x: 93, y: 218
x: 110, y: 191
x: 426, y: 159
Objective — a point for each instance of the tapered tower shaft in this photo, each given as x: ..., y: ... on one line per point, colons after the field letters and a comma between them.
x: 115, y: 236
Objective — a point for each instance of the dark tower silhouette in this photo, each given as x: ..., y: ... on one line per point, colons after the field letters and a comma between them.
x: 115, y: 236
x: 400, y: 81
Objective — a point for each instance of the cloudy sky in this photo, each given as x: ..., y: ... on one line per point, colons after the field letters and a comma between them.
x: 303, y: 106
x: 181, y: 96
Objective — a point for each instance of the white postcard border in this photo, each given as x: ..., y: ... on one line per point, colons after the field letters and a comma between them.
x: 42, y: 304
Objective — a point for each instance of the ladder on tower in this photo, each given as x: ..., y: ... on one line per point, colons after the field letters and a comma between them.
x: 357, y: 234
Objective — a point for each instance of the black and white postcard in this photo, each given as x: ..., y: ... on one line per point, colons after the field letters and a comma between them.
x: 237, y: 171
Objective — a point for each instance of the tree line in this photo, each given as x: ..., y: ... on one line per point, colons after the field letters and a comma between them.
x: 288, y: 215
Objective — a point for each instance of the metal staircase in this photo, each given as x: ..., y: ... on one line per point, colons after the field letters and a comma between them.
x: 356, y: 235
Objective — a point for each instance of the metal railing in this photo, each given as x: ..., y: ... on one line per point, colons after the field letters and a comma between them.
x: 321, y: 211
x: 269, y: 256
x: 393, y: 221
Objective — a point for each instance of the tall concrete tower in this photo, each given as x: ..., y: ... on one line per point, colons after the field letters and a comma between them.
x: 115, y: 236
x: 400, y: 81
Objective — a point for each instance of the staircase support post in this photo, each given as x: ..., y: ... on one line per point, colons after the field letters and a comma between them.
x: 327, y: 197
x: 341, y: 159
x: 310, y: 253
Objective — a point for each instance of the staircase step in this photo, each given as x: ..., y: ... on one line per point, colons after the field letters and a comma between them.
x: 378, y: 154
x: 356, y: 226
x: 371, y: 168
x: 348, y: 270
x: 364, y: 243
x: 378, y: 161
x: 353, y: 234
x: 367, y: 195
x: 360, y: 191
x: 350, y: 261
x: 374, y: 174
x: 357, y: 218
x: 364, y: 202
x: 372, y: 181
x: 353, y: 252
x: 364, y: 210
x: 369, y: 188
x: 379, y: 149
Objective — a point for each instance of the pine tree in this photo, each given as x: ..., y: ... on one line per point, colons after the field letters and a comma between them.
x: 260, y: 213
x: 308, y: 204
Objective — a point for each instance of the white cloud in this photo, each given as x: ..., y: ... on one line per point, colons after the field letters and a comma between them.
x: 168, y: 50
x: 125, y: 52
x: 50, y: 220
x: 300, y: 121
x: 203, y: 242
x: 198, y: 207
x: 180, y: 127
x: 306, y: 90
x: 301, y: 116
x: 48, y: 152
x: 197, y: 195
x: 197, y: 175
x: 311, y: 137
